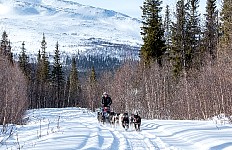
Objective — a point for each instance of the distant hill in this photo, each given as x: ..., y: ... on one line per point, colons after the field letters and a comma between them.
x: 80, y: 30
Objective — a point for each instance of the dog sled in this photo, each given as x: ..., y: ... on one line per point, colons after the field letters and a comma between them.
x: 104, y: 115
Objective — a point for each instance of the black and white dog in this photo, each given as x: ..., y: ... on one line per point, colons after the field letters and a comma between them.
x: 125, y: 121
x: 100, y: 117
x: 115, y: 120
x: 137, y: 122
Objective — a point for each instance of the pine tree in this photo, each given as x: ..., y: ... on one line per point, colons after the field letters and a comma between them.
x: 57, y: 76
x: 152, y: 32
x: 24, y: 61
x: 74, y: 88
x: 211, y: 28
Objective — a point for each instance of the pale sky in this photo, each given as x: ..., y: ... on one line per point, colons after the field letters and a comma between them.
x: 129, y: 7
x: 132, y: 7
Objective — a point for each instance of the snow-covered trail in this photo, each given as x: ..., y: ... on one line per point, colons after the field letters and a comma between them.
x: 78, y: 129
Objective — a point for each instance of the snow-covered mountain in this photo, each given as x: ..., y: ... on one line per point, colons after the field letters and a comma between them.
x: 77, y: 28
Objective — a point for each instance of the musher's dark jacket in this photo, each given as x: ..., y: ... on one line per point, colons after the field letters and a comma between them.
x: 106, y: 101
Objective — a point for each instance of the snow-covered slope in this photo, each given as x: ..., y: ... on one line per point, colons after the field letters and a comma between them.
x: 77, y: 28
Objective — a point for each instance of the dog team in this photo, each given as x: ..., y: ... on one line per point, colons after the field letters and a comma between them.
x: 124, y: 120
x: 127, y: 121
x: 105, y: 115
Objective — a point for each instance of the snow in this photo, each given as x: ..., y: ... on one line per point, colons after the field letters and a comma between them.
x: 4, y: 9
x: 78, y: 129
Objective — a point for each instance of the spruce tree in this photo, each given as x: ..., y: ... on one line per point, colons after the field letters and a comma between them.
x: 167, y: 29
x: 43, y: 77
x: 57, y: 76
x: 26, y: 68
x: 211, y: 28
x: 153, y: 47
x: 66, y: 92
x: 4, y: 42
x: 5, y: 48
x: 93, y: 78
x: 186, y: 37
x: 57, y: 73
x: 93, y: 89
x: 178, y: 38
x: 38, y: 65
x: 39, y: 57
x: 74, y: 89
x: 44, y: 72
x: 226, y: 19
x: 37, y: 83
x: 193, y: 35
x: 24, y: 61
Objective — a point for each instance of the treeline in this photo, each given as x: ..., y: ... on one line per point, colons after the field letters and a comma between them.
x: 59, y: 84
x: 42, y: 84
x: 185, y: 66
x: 99, y: 62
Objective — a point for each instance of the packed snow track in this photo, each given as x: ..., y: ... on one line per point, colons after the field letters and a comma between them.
x: 76, y: 127
x: 79, y: 129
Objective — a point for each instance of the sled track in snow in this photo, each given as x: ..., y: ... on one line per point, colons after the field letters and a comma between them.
x: 140, y: 142
x: 131, y: 139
